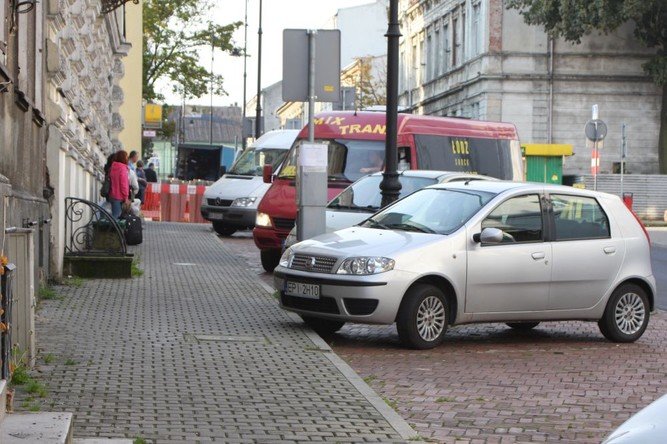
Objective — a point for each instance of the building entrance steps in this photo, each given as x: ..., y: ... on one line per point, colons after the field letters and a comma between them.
x: 197, y: 350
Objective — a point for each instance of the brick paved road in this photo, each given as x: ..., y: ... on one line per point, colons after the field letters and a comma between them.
x: 128, y: 361
x: 488, y: 384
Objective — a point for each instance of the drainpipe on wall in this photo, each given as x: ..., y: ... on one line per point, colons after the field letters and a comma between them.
x: 550, y: 77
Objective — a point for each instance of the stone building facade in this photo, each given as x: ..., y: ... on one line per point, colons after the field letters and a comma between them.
x: 84, y: 52
x: 476, y: 59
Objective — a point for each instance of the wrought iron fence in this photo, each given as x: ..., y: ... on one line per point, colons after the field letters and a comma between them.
x: 91, y: 230
x: 6, y: 320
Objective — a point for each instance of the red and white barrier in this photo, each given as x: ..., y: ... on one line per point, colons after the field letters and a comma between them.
x: 174, y: 202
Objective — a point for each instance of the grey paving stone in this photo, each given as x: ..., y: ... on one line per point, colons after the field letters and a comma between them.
x: 149, y: 361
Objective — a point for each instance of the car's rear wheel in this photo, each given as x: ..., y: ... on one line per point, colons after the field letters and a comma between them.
x: 223, y: 229
x: 627, y: 313
x: 323, y: 327
x: 423, y: 317
x: 522, y: 326
x: 270, y: 259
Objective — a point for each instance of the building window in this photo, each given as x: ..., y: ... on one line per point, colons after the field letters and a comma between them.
x: 403, y: 67
x: 455, y: 42
x: 39, y: 55
x: 429, y: 57
x: 422, y: 62
x: 437, y: 54
x: 463, y: 36
x: 447, y: 50
x: 413, y: 67
x: 475, y: 32
x: 3, y: 31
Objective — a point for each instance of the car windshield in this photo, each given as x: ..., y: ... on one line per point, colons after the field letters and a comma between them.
x: 432, y: 210
x: 348, y: 160
x: 251, y: 162
x: 365, y: 194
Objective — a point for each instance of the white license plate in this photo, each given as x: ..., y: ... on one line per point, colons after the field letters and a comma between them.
x: 310, y: 291
x: 215, y: 216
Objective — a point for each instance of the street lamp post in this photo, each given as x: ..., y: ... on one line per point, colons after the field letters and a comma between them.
x: 390, y: 185
x: 245, y: 76
x: 258, y: 107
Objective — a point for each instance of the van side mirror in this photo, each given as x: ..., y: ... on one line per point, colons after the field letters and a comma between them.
x: 267, y: 173
x: 489, y: 236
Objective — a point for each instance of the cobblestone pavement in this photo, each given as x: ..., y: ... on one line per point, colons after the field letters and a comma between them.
x: 195, y: 350
x: 563, y: 382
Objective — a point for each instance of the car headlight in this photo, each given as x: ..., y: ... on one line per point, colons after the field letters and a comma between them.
x: 365, y: 265
x: 244, y: 201
x: 263, y: 220
x: 286, y: 258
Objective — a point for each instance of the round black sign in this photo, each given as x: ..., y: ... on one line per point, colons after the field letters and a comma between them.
x: 596, y: 130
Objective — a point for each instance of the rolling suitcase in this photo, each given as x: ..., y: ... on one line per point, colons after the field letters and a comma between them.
x: 133, y: 230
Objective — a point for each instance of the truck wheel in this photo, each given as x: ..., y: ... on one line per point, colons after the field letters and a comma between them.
x: 323, y: 327
x: 223, y: 229
x: 270, y: 259
x: 423, y: 317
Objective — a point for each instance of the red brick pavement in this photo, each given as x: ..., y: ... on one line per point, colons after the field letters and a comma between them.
x: 562, y: 382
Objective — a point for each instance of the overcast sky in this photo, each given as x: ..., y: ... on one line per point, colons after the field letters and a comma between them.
x: 277, y: 15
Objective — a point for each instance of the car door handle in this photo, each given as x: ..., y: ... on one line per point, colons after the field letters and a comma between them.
x: 609, y: 250
x: 538, y: 256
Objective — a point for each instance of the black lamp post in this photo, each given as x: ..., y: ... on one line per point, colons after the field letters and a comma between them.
x: 390, y: 185
x: 245, y: 75
x: 258, y: 108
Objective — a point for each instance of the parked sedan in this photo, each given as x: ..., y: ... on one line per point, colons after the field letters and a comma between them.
x: 477, y: 251
x: 363, y: 198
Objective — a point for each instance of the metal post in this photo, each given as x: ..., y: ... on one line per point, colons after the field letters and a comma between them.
x: 245, y: 75
x: 258, y: 108
x: 623, y: 153
x: 390, y: 185
x: 311, y: 85
x: 210, y: 140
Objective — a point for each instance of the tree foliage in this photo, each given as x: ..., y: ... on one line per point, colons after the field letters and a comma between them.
x: 369, y: 81
x: 174, y: 32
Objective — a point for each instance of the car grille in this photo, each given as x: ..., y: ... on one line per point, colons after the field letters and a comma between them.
x: 219, y: 202
x: 360, y: 307
x: 283, y: 224
x: 322, y: 305
x: 318, y: 264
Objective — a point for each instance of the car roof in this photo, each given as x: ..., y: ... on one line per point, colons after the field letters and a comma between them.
x: 434, y: 174
x: 276, y: 139
x: 500, y: 186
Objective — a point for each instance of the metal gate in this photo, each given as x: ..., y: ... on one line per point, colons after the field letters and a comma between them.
x: 21, y: 250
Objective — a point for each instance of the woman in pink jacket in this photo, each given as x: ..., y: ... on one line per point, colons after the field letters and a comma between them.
x: 120, y: 185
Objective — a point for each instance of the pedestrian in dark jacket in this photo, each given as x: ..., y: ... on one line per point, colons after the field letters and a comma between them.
x: 151, y: 175
x: 141, y: 178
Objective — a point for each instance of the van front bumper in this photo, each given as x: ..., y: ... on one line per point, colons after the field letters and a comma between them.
x: 233, y: 216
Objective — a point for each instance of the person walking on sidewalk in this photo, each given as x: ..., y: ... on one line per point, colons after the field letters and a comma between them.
x: 120, y: 184
x: 141, y: 178
x: 151, y: 175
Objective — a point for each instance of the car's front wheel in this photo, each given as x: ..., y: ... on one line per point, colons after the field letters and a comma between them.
x: 270, y: 259
x: 423, y: 317
x: 223, y: 229
x: 627, y: 313
x: 323, y: 327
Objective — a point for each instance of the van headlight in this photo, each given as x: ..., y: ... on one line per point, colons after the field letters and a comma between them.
x: 365, y: 265
x: 244, y: 201
x: 286, y: 258
x: 263, y: 220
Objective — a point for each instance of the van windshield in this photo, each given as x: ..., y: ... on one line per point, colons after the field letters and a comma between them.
x: 252, y: 161
x: 348, y: 160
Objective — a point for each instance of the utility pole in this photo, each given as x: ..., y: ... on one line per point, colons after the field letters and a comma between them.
x: 390, y: 185
x: 210, y: 140
x: 258, y: 108
x: 245, y: 76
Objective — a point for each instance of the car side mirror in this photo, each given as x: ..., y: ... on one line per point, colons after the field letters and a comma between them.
x: 489, y: 236
x: 267, y: 173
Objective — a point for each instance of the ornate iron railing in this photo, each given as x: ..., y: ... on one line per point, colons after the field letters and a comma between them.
x: 111, y: 5
x: 6, y: 320
x: 91, y: 230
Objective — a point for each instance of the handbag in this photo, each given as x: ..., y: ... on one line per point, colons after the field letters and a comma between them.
x: 106, y: 186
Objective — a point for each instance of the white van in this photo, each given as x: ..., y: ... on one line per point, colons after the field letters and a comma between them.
x: 231, y: 203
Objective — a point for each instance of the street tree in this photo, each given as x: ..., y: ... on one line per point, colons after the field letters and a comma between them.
x: 367, y: 77
x: 573, y: 19
x: 174, y: 32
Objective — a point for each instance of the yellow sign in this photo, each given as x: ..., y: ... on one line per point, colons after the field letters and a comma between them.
x: 153, y: 113
x: 328, y: 88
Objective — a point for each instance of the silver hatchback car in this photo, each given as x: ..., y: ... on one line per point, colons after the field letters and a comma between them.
x: 477, y: 251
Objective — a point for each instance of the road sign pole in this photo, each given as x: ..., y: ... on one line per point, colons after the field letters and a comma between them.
x: 623, y: 153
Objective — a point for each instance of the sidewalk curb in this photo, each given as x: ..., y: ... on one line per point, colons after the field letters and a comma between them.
x: 390, y: 415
